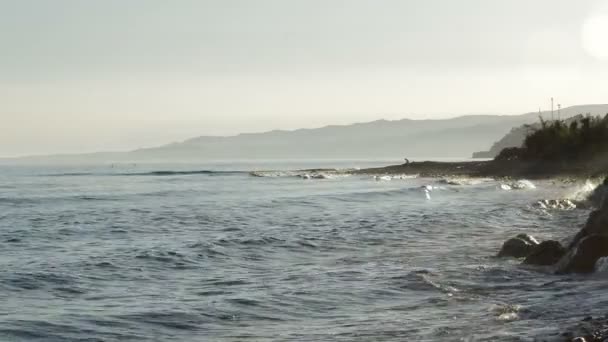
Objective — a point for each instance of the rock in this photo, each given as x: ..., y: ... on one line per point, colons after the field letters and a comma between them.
x: 597, y: 224
x: 546, y: 253
x: 591, y: 242
x: 596, y: 198
x: 518, y: 247
x: 582, y: 258
x: 589, y: 329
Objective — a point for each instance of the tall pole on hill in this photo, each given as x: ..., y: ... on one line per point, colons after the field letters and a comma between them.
x: 559, y: 111
x: 552, y: 118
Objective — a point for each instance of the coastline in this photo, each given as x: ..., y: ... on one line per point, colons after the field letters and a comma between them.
x: 495, y: 169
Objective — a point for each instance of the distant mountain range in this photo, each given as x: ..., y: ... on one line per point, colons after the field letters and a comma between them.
x: 450, y: 138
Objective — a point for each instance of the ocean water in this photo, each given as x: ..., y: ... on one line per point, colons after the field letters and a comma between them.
x: 211, y: 253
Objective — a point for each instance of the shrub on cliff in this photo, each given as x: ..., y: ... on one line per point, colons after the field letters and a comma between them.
x: 561, y: 140
x: 510, y: 153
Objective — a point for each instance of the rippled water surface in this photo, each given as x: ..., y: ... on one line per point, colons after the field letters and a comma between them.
x: 134, y: 253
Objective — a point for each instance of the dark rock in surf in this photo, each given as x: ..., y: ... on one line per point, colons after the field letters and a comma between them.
x: 582, y: 258
x: 546, y: 253
x: 591, y: 242
x: 518, y: 247
x: 598, y: 195
x: 590, y: 329
x: 597, y: 224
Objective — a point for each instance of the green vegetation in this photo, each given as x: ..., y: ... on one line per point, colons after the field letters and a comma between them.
x: 578, y: 138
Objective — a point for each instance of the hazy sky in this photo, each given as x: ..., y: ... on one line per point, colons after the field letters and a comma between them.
x: 110, y: 75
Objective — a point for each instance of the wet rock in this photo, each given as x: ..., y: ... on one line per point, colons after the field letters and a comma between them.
x: 518, y: 247
x: 591, y: 242
x: 597, y: 197
x: 582, y: 258
x: 546, y: 253
x: 589, y: 330
x: 597, y: 224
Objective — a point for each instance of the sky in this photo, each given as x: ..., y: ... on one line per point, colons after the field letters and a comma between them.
x: 83, y: 75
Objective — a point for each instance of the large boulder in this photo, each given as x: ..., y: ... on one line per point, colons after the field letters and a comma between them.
x: 518, y: 247
x: 597, y: 224
x: 546, y: 253
x: 582, y: 258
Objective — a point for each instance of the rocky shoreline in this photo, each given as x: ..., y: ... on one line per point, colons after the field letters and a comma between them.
x: 586, y: 253
x: 495, y: 169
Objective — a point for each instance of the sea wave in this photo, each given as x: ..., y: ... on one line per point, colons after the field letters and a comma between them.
x: 157, y: 173
x: 233, y: 258
x: 183, y: 173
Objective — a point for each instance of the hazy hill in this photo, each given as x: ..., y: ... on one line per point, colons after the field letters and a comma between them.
x: 515, y: 138
x: 456, y: 137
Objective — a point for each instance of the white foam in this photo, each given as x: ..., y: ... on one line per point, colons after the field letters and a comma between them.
x: 581, y: 192
x: 523, y: 184
x: 508, y: 317
x: 562, y: 204
x: 506, y: 312
x: 405, y: 176
x: 387, y: 178
x: 464, y: 181
x: 601, y: 266
x: 273, y: 173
